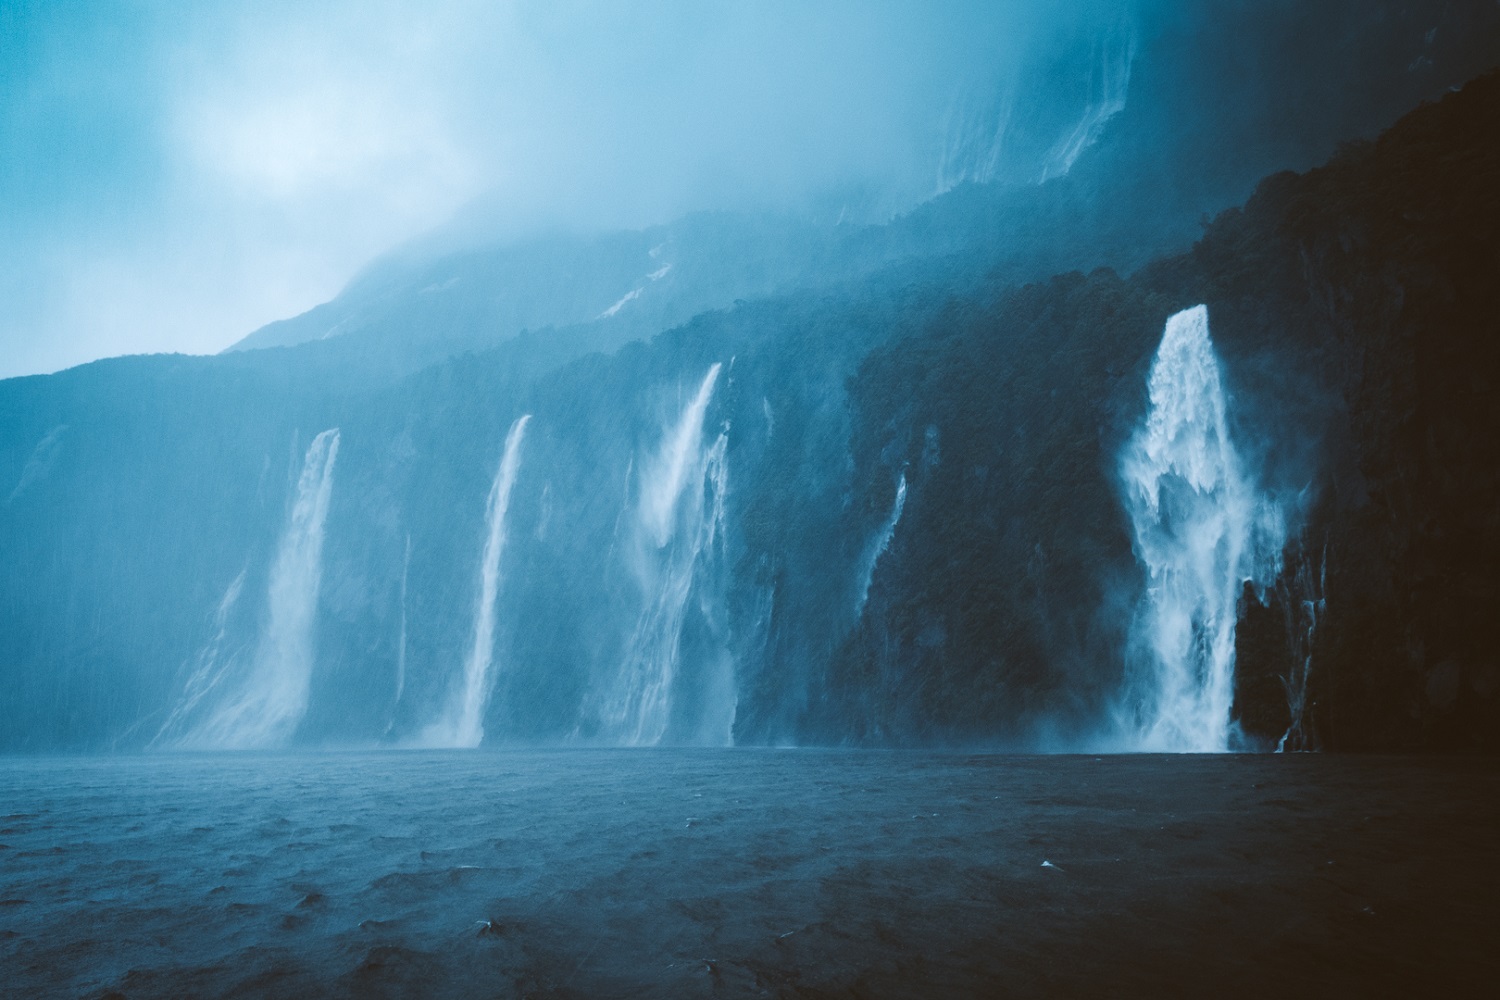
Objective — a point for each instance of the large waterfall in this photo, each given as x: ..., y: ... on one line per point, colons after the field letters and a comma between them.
x: 679, y: 522
x: 1201, y: 532
x: 461, y: 723
x: 266, y: 707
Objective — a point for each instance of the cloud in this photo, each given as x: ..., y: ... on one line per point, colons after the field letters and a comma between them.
x: 177, y: 175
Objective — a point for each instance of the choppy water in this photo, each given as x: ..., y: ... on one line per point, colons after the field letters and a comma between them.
x: 801, y: 873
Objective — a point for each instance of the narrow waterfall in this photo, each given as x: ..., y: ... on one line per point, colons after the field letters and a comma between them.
x: 401, y: 639
x: 266, y: 709
x: 679, y: 522
x: 1201, y: 532
x: 215, y: 661
x: 462, y: 721
x: 974, y: 138
x: 1109, y: 86
x: 878, y: 546
x: 1304, y: 603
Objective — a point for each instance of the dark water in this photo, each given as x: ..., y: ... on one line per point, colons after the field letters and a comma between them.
x: 746, y: 873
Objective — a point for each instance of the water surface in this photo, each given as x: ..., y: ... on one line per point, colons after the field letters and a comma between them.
x: 696, y: 873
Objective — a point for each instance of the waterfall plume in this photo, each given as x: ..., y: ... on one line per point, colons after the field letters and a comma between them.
x: 1201, y: 532
x: 462, y: 721
x: 879, y: 545
x: 266, y: 708
x: 678, y: 527
x: 1303, y: 601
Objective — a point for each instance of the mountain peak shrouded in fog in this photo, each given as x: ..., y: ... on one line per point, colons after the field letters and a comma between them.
x: 1124, y: 123
x: 749, y: 497
x: 174, y: 178
x: 753, y: 241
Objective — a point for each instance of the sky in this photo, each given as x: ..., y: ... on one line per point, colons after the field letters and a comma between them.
x: 175, y: 175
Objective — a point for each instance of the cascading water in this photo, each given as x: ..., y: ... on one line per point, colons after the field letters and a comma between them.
x: 1109, y: 85
x: 878, y: 546
x: 974, y: 142
x: 678, y: 527
x: 215, y: 661
x: 1201, y: 532
x: 267, y: 707
x: 1304, y: 604
x: 401, y: 639
x: 462, y: 721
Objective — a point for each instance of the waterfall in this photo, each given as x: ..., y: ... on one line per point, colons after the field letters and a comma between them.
x: 974, y: 139
x: 462, y: 721
x: 1304, y: 604
x: 1201, y: 531
x: 213, y: 664
x: 878, y: 546
x: 401, y: 639
x: 678, y: 527
x: 1109, y: 85
x: 266, y: 709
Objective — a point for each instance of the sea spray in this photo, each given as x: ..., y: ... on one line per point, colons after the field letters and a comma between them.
x: 1201, y: 532
x: 266, y: 708
x: 678, y: 525
x: 462, y: 721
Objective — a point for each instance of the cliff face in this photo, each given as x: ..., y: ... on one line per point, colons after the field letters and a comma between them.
x: 894, y: 519
x: 1399, y: 251
x: 1355, y: 311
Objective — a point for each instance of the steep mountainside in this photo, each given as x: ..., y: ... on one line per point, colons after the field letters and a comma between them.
x: 883, y: 512
x: 1105, y: 149
x: 1355, y: 309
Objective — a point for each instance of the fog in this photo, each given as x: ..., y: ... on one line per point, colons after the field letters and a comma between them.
x: 175, y: 177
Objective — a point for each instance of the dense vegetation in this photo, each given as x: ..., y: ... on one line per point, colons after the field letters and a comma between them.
x: 1356, y: 310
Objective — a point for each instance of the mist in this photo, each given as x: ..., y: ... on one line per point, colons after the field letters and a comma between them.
x: 708, y: 499
x: 176, y: 178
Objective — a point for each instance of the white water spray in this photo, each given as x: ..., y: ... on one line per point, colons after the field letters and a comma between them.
x: 268, y: 706
x: 878, y: 546
x: 1201, y: 532
x: 679, y: 522
x: 462, y: 721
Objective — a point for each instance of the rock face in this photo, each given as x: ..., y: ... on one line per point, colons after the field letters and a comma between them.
x: 886, y: 512
x: 1356, y: 310
x: 1375, y: 277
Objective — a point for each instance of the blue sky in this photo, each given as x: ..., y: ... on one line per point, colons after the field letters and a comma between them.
x: 173, y: 175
